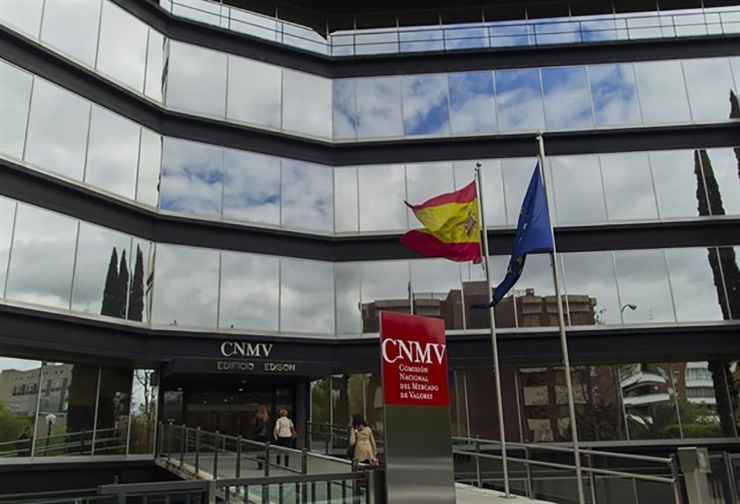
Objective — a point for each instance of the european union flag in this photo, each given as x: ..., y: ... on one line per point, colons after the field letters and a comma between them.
x: 533, y: 234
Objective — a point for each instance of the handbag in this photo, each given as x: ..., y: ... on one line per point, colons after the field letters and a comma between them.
x: 351, y: 452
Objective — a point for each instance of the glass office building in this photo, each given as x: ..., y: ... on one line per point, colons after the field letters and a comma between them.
x: 200, y: 205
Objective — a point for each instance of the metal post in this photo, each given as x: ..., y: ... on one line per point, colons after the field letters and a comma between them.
x: 304, y: 471
x: 478, y: 476
x: 530, y: 486
x: 183, y: 444
x: 169, y: 441
x: 494, y: 342
x: 215, y: 455
x: 592, y: 478
x: 197, y: 450
x: 267, y: 459
x: 676, y: 480
x: 563, y: 339
x: 238, y: 455
x: 729, y: 488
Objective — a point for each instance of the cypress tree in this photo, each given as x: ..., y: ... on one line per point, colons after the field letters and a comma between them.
x: 726, y: 282
x: 136, y: 293
x: 122, y: 288
x: 109, y: 290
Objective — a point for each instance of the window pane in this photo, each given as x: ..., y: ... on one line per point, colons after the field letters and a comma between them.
x: 675, y: 177
x: 43, y: 257
x: 306, y: 296
x: 249, y: 291
x: 436, y: 288
x: 534, y: 284
x: 81, y: 396
x: 114, y: 401
x: 643, y: 283
x: 425, y: 105
x: 102, y: 274
x: 144, y: 410
x: 709, y: 82
x: 379, y: 107
x: 60, y: 150
x: 694, y: 274
x: 511, y: 34
x: 662, y: 92
x: 123, y: 46
x: 150, y: 168
x: 154, y: 83
x: 628, y: 186
x: 724, y: 165
x: 579, y: 195
x: 113, y: 153
x: 519, y: 100
x: 15, y: 97
x: 382, y: 192
x: 251, y: 187
x: 254, y: 92
x: 25, y: 15
x: 516, y: 174
x: 80, y: 42
x: 139, y: 269
x: 185, y: 286
x: 20, y: 380
x: 385, y: 286
x: 196, y: 80
x: 425, y: 181
x: 493, y: 188
x: 591, y: 287
x: 472, y: 106
x: 344, y: 109
x: 421, y: 39
x: 349, y: 316
x: 614, y: 93
x: 7, y: 219
x: 346, y: 205
x: 307, y: 196
x: 567, y: 100
x: 307, y: 104
x: 192, y: 177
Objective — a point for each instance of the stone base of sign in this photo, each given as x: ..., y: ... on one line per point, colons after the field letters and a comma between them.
x: 467, y: 494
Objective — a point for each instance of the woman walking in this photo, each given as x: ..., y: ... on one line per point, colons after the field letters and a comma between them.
x: 261, y: 431
x: 361, y: 438
x: 284, y: 434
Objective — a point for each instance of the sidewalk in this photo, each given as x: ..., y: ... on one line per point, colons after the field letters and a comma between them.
x: 467, y: 494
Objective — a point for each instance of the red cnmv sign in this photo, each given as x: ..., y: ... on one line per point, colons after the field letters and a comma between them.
x: 414, y: 356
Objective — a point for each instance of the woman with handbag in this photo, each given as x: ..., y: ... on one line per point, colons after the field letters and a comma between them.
x: 261, y: 431
x: 361, y: 441
x: 284, y: 434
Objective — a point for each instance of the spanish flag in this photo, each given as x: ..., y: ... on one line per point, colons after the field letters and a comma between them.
x: 451, y: 229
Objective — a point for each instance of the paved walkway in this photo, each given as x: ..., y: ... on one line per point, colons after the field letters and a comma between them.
x: 467, y: 494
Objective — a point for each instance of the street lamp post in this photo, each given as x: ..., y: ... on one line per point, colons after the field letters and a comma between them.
x: 631, y: 306
x: 50, y: 419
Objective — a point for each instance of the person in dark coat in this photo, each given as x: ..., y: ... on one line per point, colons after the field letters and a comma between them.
x: 261, y: 431
x: 24, y: 442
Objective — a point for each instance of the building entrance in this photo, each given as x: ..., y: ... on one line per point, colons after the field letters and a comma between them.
x: 227, y: 405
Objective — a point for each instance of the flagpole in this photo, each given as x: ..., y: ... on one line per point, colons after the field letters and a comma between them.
x: 563, y: 339
x: 494, y: 342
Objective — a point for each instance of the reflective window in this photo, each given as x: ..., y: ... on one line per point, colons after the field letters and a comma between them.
x: 709, y: 83
x: 472, y: 107
x: 724, y: 165
x: 307, y: 104
x: 196, y: 79
x: 628, y: 186
x: 123, y: 46
x: 43, y: 258
x: 81, y: 43
x: 347, y: 278
x: 384, y: 286
x: 15, y: 98
x: 251, y: 187
x: 425, y: 105
x: 591, y: 288
x: 21, y: 380
x: 346, y: 204
x: 382, y: 192
x: 577, y: 185
x: 535, y: 282
x: 113, y: 409
x: 379, y: 107
x: 140, y: 270
x: 675, y: 174
x: 494, y: 198
x: 695, y: 280
x: 249, y: 292
x: 425, y: 181
x: 519, y: 100
x: 307, y: 196
x: 150, y: 165
x: 306, y: 296
x: 567, y: 99
x: 510, y: 34
x: 516, y: 174
x: 192, y: 177
x: 642, y: 278
x: 60, y: 150
x: 421, y: 39
x: 662, y: 92
x: 7, y: 218
x: 24, y: 15
x: 614, y: 94
x: 185, y: 286
x: 254, y: 91
x: 113, y: 152
x: 344, y: 109
x: 102, y: 274
x: 154, y: 78
x: 436, y: 291
x: 81, y: 401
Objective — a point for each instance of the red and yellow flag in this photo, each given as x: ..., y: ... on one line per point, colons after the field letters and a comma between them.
x: 451, y: 229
